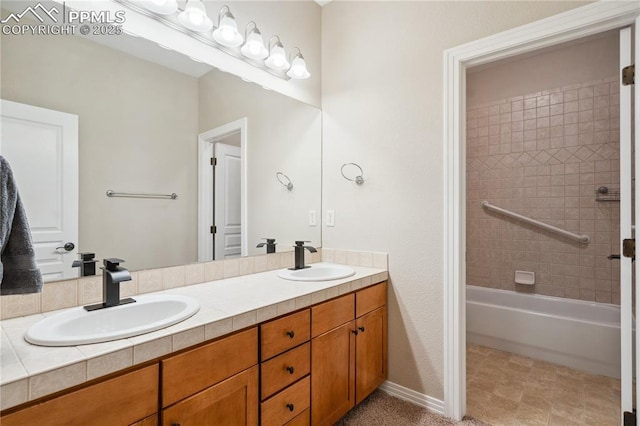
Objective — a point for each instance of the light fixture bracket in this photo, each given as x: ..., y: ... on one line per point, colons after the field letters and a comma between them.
x: 203, y: 39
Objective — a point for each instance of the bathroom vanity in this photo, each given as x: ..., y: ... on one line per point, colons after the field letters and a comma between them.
x: 308, y: 365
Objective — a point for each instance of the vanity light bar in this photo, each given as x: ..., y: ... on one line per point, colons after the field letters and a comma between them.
x: 226, y: 30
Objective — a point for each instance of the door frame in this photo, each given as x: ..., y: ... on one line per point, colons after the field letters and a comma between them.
x: 67, y: 126
x: 205, y: 184
x: 571, y: 25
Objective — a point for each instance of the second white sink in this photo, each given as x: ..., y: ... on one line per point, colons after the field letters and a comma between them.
x: 318, y: 272
x: 78, y: 327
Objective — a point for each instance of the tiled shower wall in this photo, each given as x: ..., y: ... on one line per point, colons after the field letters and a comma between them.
x: 544, y: 155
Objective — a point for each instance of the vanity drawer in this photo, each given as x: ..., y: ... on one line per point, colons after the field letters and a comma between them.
x: 302, y: 419
x: 281, y: 371
x: 286, y: 405
x: 284, y: 333
x: 371, y: 298
x: 189, y: 372
x: 329, y: 315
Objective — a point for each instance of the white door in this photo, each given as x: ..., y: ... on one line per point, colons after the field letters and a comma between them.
x: 227, y: 211
x: 41, y: 146
x: 628, y: 197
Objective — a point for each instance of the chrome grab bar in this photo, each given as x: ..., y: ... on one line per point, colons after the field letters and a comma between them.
x: 584, y: 239
x: 111, y: 193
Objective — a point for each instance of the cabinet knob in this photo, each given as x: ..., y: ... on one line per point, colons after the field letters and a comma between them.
x: 290, y: 369
x: 175, y: 424
x: 290, y: 334
x: 355, y: 332
x: 290, y: 407
x: 361, y: 329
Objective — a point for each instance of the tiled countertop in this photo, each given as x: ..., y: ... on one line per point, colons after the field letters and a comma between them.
x: 29, y: 372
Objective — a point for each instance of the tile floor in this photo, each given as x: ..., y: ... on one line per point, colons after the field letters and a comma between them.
x: 508, y: 389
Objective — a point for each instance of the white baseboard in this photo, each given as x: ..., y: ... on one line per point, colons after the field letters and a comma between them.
x: 430, y: 403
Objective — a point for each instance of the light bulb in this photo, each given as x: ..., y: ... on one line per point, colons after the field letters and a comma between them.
x: 254, y: 46
x: 298, y: 68
x: 227, y: 32
x: 194, y: 16
x: 162, y: 7
x: 277, y: 59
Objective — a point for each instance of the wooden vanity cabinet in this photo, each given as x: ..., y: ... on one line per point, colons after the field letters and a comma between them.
x: 131, y: 398
x: 309, y: 367
x: 348, y: 352
x: 213, y: 384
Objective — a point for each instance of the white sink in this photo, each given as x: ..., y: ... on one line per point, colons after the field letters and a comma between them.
x: 78, y: 327
x: 318, y: 272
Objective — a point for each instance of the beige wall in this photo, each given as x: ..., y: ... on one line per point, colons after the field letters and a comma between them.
x: 590, y: 60
x: 283, y: 135
x: 129, y: 112
x: 382, y: 108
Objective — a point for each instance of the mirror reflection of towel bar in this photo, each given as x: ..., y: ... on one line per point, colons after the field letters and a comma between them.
x: 111, y: 193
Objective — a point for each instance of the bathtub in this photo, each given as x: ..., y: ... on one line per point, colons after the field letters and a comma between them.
x: 577, y: 334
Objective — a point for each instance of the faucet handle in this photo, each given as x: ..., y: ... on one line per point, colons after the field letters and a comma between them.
x: 301, y: 243
x: 87, y: 256
x: 112, y: 263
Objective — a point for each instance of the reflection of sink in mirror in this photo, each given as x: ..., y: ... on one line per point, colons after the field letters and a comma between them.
x: 318, y: 272
x: 142, y: 108
x: 78, y: 327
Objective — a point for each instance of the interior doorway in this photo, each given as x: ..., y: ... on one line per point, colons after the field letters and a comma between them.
x: 222, y: 224
x: 585, y: 21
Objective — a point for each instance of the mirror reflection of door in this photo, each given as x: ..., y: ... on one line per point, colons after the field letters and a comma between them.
x: 226, y: 206
x: 41, y: 146
x: 222, y: 220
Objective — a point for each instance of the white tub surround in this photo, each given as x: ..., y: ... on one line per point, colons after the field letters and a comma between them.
x: 578, y: 334
x: 30, y: 372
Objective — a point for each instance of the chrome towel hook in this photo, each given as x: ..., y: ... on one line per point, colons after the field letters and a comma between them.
x: 358, y: 179
x: 287, y: 182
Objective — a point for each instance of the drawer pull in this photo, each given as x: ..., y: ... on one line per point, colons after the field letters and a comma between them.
x: 355, y: 332
x: 290, y: 334
x: 361, y: 329
x: 290, y: 407
x: 290, y: 370
x: 175, y: 424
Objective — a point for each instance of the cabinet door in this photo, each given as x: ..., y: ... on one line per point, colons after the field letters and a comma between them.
x: 121, y: 400
x: 371, y: 352
x: 233, y: 402
x: 332, y: 374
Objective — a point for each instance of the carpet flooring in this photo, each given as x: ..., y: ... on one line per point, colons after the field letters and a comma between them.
x: 382, y: 409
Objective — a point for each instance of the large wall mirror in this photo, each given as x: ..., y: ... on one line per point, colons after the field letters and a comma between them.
x: 147, y: 118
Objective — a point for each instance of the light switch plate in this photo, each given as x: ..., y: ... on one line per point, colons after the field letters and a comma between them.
x: 312, y: 218
x: 331, y: 218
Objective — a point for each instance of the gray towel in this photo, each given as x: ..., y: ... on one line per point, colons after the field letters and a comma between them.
x: 19, y: 273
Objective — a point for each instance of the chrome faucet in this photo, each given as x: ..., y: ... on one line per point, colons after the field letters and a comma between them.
x: 113, y: 274
x: 271, y: 245
x: 299, y: 254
